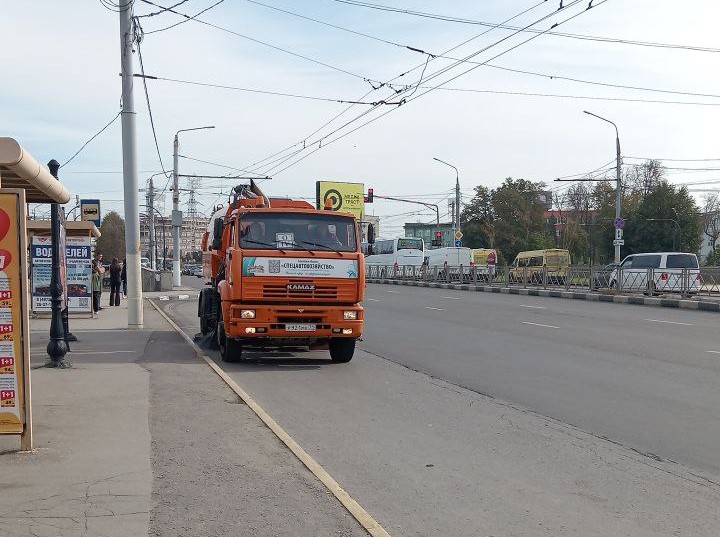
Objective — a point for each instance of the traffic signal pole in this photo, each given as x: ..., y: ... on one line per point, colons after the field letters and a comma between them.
x: 431, y: 205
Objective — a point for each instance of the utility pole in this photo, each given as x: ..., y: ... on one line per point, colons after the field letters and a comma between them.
x: 130, y: 180
x: 151, y: 232
x: 177, y: 213
x: 456, y: 212
x: 618, y: 188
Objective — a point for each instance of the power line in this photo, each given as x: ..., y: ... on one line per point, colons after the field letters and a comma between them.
x: 362, y: 34
x: 520, y: 71
x: 266, y: 92
x: 348, y: 108
x: 597, y: 83
x: 676, y: 159
x: 138, y: 37
x: 117, y: 7
x: 462, y: 20
x: 164, y: 10
x: 98, y: 133
x: 264, y: 43
x: 586, y: 97
x: 188, y: 19
x: 407, y: 88
x: 572, y: 3
x: 583, y: 174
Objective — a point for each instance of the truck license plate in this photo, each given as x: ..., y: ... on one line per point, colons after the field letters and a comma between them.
x: 300, y: 327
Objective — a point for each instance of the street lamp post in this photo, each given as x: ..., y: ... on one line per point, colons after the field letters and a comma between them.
x: 618, y: 190
x: 456, y: 217
x: 57, y: 347
x: 176, y: 213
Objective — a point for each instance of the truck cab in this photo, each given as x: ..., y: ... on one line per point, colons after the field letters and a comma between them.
x: 281, y: 274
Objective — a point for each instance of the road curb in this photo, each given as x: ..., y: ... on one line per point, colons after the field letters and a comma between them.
x: 676, y: 303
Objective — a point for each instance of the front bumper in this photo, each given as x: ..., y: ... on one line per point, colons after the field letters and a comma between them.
x: 309, y: 323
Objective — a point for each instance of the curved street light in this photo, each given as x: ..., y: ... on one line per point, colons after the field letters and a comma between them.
x: 618, y: 190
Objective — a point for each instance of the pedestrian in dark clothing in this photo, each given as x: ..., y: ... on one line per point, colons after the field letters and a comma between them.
x: 96, y: 288
x: 123, y: 277
x: 115, y: 282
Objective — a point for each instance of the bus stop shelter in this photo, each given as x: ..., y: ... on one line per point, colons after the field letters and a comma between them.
x: 18, y: 169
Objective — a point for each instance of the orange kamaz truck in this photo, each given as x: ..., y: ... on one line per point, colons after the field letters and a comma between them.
x: 281, y: 273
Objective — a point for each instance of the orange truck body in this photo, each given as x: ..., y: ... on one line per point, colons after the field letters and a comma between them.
x: 276, y: 295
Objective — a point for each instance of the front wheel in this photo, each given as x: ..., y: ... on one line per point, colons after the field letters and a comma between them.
x: 230, y: 350
x: 341, y: 349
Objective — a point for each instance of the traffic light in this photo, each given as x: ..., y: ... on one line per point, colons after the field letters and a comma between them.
x: 437, y: 241
x: 369, y: 197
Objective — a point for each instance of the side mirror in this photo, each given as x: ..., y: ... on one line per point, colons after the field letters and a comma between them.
x: 218, y: 227
x: 371, y: 234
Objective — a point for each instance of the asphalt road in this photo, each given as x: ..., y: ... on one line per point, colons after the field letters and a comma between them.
x: 471, y: 414
x: 645, y: 377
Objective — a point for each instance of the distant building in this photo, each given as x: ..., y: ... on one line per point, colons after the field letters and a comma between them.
x: 369, y: 219
x: 427, y: 232
x: 191, y: 234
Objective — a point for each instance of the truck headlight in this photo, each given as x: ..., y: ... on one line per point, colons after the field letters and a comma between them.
x: 350, y: 315
x: 247, y: 314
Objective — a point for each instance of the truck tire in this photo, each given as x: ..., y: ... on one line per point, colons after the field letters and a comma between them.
x: 341, y: 350
x: 230, y: 350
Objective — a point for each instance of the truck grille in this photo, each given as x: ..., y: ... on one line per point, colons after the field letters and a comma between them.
x: 280, y: 291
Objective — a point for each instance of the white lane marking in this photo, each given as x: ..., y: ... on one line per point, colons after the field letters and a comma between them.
x: 666, y: 322
x: 183, y: 297
x: 431, y: 308
x: 373, y: 299
x: 390, y: 291
x: 533, y: 307
x: 451, y: 297
x: 714, y: 352
x: 538, y: 324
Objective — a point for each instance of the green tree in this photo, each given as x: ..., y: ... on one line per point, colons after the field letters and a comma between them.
x: 477, y: 219
x: 519, y: 218
x: 112, y: 237
x: 665, y: 219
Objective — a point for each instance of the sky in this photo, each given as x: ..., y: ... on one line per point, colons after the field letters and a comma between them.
x: 61, y: 86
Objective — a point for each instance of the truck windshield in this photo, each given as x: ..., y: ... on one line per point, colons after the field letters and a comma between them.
x: 274, y: 231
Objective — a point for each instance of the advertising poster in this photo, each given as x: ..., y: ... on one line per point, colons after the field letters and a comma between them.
x: 13, y: 320
x: 75, y: 268
x: 79, y: 274
x: 41, y: 262
x: 345, y: 197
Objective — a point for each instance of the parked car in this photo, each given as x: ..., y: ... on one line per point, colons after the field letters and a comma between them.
x: 658, y: 272
x: 602, y: 275
x: 198, y: 271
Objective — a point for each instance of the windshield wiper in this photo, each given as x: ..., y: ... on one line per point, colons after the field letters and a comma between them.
x: 322, y: 246
x: 271, y: 245
x: 301, y: 246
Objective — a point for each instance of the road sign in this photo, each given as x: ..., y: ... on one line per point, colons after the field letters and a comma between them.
x: 619, y: 242
x: 90, y: 211
x: 458, y: 244
x: 458, y: 234
x: 618, y: 234
x: 619, y: 223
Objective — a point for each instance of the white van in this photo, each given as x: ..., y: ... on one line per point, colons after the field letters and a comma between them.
x: 664, y: 272
x: 450, y: 256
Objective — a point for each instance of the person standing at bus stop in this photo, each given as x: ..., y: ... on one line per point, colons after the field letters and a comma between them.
x: 123, y: 277
x: 115, y: 282
x: 96, y: 288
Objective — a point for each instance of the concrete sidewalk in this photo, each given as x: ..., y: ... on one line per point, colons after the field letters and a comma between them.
x: 141, y: 438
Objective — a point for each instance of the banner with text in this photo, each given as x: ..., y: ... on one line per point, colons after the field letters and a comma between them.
x: 302, y: 267
x: 345, y: 197
x: 12, y: 328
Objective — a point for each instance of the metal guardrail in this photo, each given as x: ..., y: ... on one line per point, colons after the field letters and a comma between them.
x: 703, y: 282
